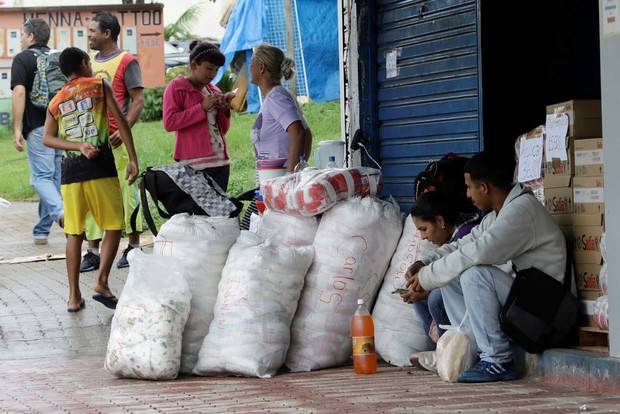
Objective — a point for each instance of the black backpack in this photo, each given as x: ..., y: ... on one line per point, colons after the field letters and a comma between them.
x: 166, y: 192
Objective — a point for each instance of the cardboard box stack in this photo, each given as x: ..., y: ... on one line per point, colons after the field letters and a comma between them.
x: 584, y: 221
x: 569, y: 152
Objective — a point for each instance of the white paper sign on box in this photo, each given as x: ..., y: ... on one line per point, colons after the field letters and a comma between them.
x: 556, y: 129
x: 530, y: 158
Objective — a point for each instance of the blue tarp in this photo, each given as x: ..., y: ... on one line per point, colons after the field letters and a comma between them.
x: 247, y: 28
x: 319, y: 36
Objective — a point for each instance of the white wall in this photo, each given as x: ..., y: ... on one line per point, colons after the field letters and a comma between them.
x: 610, y: 99
x: 208, y: 25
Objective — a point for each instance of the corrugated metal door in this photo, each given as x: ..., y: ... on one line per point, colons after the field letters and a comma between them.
x: 433, y: 105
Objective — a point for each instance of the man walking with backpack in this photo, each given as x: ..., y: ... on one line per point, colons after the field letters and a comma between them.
x: 122, y: 71
x: 28, y: 120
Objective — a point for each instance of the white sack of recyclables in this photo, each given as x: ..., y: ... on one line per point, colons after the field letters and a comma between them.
x: 399, y: 331
x: 353, y: 247
x: 257, y: 298
x: 288, y: 230
x: 200, y: 244
x: 147, y: 327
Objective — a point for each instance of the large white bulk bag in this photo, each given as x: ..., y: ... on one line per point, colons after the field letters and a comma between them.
x: 288, y: 230
x: 147, y: 328
x: 256, y: 302
x: 399, y: 331
x: 200, y: 244
x: 353, y: 247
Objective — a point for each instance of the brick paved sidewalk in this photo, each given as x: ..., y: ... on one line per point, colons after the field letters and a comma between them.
x: 52, y: 362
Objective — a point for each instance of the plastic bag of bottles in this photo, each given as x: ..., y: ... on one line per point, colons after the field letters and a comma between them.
x: 256, y: 302
x: 147, y: 328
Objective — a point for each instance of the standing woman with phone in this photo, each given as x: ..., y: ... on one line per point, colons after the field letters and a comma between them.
x: 199, y: 114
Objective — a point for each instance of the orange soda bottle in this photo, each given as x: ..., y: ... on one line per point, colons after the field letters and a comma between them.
x: 363, y: 335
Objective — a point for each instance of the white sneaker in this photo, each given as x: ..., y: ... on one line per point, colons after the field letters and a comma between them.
x: 40, y: 241
x: 426, y: 360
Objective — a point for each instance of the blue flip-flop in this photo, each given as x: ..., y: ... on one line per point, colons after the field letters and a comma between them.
x: 79, y: 308
x: 107, y: 301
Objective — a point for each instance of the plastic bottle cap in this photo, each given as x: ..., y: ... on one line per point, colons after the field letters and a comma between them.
x: 360, y: 301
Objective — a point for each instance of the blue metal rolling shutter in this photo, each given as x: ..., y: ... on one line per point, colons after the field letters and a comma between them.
x: 433, y: 106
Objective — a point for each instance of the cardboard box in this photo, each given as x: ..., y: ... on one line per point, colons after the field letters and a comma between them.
x: 562, y: 168
x: 589, y: 195
x: 588, y: 157
x: 587, y: 240
x: 587, y: 276
x: 587, y: 219
x: 587, y: 313
x: 584, y: 117
x: 589, y: 294
x: 565, y: 223
x: 558, y: 194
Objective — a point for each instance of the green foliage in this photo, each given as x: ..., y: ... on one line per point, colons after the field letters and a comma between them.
x: 155, y: 146
x: 153, y: 104
x: 174, y: 72
x: 181, y: 28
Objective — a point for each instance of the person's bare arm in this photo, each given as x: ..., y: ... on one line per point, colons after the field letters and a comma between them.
x: 308, y: 143
x: 296, y: 144
x: 19, y: 105
x: 124, y: 131
x: 136, y: 105
x: 50, y: 139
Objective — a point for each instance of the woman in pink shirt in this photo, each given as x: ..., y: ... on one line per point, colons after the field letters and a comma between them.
x: 280, y: 130
x: 199, y: 114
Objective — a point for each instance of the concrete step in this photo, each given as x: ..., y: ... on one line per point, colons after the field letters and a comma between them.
x: 586, y: 371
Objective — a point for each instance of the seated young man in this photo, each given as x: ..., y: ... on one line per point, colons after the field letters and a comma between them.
x: 77, y: 123
x: 473, y: 272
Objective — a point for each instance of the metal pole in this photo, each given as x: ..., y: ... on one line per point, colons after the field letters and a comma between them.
x: 290, y: 42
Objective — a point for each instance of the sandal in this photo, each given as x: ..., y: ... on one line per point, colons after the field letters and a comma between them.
x: 107, y: 301
x: 79, y: 308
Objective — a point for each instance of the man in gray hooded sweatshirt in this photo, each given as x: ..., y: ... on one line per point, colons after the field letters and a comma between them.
x: 474, y: 273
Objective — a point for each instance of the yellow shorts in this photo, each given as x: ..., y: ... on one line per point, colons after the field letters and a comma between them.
x: 101, y: 197
x: 130, y: 194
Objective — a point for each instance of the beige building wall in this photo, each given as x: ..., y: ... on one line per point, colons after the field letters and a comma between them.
x: 208, y: 25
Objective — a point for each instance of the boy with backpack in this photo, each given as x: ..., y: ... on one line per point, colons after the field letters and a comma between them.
x: 35, y: 76
x: 78, y: 115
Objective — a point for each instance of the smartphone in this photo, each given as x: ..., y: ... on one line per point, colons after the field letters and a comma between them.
x: 231, y: 94
x: 400, y: 291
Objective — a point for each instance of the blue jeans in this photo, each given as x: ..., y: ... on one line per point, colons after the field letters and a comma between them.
x: 482, y: 290
x: 432, y: 309
x: 45, y: 178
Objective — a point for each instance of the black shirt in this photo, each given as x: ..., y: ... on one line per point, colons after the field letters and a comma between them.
x: 22, y: 73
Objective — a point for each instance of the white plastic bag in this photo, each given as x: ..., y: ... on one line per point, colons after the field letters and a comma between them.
x: 603, y: 247
x: 455, y: 352
x: 147, y: 328
x: 288, y: 230
x: 601, y: 312
x: 201, y: 245
x: 602, y: 279
x: 257, y: 298
x: 353, y: 247
x: 399, y: 331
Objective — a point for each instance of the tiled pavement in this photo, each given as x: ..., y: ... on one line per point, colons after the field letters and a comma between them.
x: 51, y: 362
